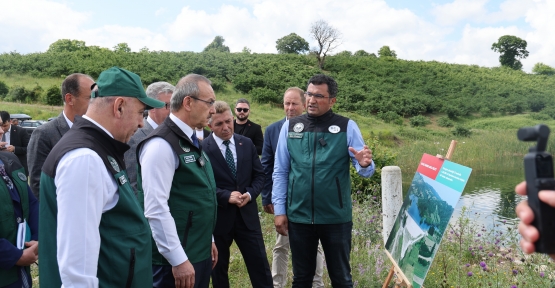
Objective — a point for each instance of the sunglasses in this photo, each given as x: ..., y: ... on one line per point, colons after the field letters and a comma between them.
x: 242, y: 109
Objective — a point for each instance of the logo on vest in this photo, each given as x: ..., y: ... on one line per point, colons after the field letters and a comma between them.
x: 185, y: 149
x: 189, y: 159
x: 298, y: 127
x: 22, y: 176
x: 122, y: 179
x: 113, y: 163
x: 334, y: 129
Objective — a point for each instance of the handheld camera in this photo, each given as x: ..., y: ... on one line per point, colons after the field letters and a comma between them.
x: 538, y: 170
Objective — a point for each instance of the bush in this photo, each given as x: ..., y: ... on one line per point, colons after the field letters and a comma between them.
x: 388, y: 116
x: 54, y: 96
x: 485, y: 112
x: 419, y: 121
x: 18, y: 94
x: 3, y: 90
x: 461, y: 131
x: 265, y: 95
x: 539, y: 116
x: 444, y: 122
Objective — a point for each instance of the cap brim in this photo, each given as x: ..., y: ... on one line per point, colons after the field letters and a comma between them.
x: 152, y: 103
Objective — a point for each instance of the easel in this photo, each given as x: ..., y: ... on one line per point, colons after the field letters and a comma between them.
x: 402, y: 280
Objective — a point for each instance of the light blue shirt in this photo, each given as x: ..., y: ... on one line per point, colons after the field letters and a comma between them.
x: 282, y: 163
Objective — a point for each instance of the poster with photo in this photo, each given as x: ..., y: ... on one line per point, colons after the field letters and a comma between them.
x: 419, y: 227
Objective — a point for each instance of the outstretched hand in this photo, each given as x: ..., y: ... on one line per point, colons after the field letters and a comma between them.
x: 364, y: 156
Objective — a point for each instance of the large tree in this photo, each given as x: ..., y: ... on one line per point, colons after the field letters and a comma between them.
x: 328, y: 39
x: 217, y: 45
x: 291, y: 44
x: 385, y: 51
x: 66, y: 45
x: 122, y: 48
x: 511, y: 49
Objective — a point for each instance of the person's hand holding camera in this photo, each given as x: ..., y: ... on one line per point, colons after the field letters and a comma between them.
x: 530, y: 234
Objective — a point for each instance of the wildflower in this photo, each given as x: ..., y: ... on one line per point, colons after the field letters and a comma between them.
x: 490, y: 254
x: 480, y: 247
x: 482, y: 264
x: 515, y: 272
x: 467, y: 264
x: 479, y: 234
x: 469, y: 273
x: 542, y: 274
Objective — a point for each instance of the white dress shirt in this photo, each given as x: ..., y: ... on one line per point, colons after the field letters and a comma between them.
x: 158, y: 165
x: 84, y: 190
x: 7, y: 135
x: 69, y: 123
x: 153, y: 124
x: 233, y: 149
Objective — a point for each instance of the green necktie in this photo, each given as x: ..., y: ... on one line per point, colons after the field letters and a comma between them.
x: 229, y: 159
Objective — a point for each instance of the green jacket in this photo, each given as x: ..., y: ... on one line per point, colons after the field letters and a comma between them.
x: 319, y: 186
x: 125, y: 258
x: 192, y: 200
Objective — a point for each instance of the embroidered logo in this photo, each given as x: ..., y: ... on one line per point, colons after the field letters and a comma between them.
x: 122, y: 179
x: 185, y: 149
x: 22, y: 176
x: 334, y: 129
x: 113, y: 163
x: 298, y: 127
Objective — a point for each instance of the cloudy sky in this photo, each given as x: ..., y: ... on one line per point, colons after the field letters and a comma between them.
x: 453, y: 31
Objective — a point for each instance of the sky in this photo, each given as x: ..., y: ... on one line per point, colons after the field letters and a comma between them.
x: 452, y: 31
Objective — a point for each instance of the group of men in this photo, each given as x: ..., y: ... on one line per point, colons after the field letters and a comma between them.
x: 131, y: 203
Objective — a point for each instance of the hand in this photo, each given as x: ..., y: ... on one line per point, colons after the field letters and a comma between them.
x: 235, y: 198
x: 10, y: 148
x: 245, y: 198
x: 184, y: 275
x: 3, y: 145
x: 530, y: 234
x: 30, y: 255
x: 364, y: 156
x: 281, y: 224
x: 269, y: 208
x: 214, y: 254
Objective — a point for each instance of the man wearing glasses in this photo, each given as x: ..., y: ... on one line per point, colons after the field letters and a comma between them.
x: 244, y: 126
x: 161, y: 91
x: 311, y: 193
x: 179, y: 189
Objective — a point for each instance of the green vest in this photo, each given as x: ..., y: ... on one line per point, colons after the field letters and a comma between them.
x: 8, y: 222
x: 125, y: 259
x: 319, y: 186
x: 192, y: 200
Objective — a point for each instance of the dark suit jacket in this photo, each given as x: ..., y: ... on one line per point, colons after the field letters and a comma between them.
x: 131, y: 159
x: 19, y: 138
x: 206, y: 133
x: 41, y: 143
x: 253, y: 131
x: 271, y: 136
x: 250, y: 178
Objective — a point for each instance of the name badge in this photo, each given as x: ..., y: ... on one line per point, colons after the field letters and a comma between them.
x: 295, y: 135
x: 189, y: 159
x: 122, y: 179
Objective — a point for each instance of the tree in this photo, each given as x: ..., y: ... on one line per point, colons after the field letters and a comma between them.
x: 542, y: 69
x: 246, y: 50
x: 385, y: 51
x: 3, y: 89
x: 53, y: 96
x: 328, y: 39
x: 291, y: 44
x: 511, y: 48
x: 66, y: 45
x: 122, y: 47
x: 217, y: 45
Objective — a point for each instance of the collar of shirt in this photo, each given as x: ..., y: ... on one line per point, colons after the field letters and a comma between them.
x: 69, y: 123
x: 151, y: 122
x: 182, y: 125
x: 220, y: 141
x: 100, y: 126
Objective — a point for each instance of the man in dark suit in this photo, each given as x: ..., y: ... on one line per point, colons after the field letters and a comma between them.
x: 239, y: 179
x: 161, y: 91
x: 76, y: 93
x: 15, y: 139
x: 244, y: 126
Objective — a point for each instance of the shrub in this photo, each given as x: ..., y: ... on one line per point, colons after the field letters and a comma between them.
x: 485, y: 112
x: 388, y: 116
x: 53, y: 96
x: 265, y: 95
x: 444, y: 122
x: 451, y: 111
x: 3, y: 90
x: 18, y: 94
x: 461, y: 131
x: 539, y: 116
x: 419, y: 121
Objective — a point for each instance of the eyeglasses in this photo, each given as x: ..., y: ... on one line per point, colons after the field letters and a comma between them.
x: 242, y: 110
x: 167, y: 105
x: 317, y: 96
x: 210, y: 103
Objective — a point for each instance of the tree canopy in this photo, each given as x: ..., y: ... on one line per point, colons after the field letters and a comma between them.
x: 543, y: 69
x: 67, y: 45
x: 511, y: 49
x: 217, y: 45
x: 292, y: 44
x: 122, y: 47
x: 385, y: 51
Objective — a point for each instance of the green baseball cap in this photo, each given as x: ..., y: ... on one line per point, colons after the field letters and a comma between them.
x: 120, y: 82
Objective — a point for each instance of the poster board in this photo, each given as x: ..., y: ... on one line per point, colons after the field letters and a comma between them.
x: 419, y: 227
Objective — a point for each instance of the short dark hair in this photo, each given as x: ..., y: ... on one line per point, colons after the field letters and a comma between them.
x: 71, y: 85
x: 5, y: 116
x: 242, y: 100
x: 320, y: 79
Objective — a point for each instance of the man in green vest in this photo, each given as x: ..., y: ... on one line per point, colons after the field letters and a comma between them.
x: 176, y: 178
x: 19, y: 209
x: 311, y: 193
x: 94, y: 231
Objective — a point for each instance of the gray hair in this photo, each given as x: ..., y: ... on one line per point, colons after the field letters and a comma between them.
x: 187, y: 86
x: 157, y: 88
x: 220, y: 107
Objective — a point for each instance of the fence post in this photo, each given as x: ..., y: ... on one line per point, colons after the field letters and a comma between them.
x: 392, y: 197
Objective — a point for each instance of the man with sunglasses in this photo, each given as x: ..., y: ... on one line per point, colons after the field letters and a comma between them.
x: 179, y: 189
x: 311, y: 193
x: 244, y: 126
x: 161, y: 91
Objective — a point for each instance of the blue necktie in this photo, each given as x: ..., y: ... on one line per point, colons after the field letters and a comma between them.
x: 229, y: 159
x: 194, y: 139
